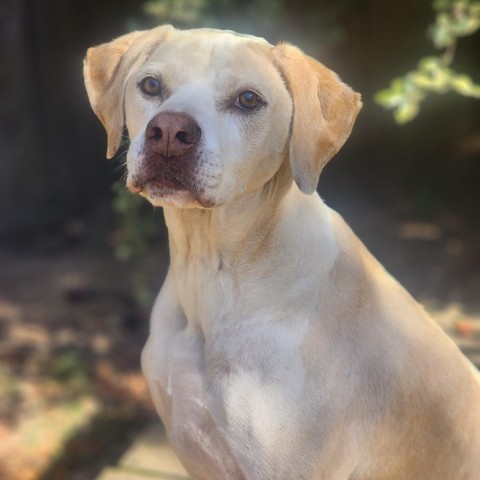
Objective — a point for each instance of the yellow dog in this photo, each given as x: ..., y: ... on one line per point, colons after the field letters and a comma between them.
x: 279, y: 348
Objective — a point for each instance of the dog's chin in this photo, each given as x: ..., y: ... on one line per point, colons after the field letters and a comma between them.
x: 180, y: 197
x: 167, y: 197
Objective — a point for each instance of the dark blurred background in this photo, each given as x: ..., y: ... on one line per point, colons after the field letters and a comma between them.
x: 81, y: 258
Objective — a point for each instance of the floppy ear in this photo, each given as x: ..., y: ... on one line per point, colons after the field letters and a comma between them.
x: 106, y: 69
x: 324, y: 110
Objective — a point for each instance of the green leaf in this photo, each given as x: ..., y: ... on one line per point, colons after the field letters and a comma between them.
x: 406, y: 112
x: 475, y: 9
x: 184, y: 11
x: 392, y: 96
x: 441, y: 32
x: 464, y: 85
x: 429, y: 63
x: 440, y: 5
x: 465, y: 26
x: 422, y: 80
x: 432, y: 75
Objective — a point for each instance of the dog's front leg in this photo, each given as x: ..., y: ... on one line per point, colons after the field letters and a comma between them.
x: 173, y: 363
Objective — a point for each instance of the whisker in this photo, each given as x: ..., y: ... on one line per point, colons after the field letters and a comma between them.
x: 119, y: 167
x: 121, y: 154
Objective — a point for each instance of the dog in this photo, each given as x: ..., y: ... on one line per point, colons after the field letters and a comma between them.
x: 279, y: 348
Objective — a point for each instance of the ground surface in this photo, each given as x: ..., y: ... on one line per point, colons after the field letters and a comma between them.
x: 71, y: 391
x: 72, y: 397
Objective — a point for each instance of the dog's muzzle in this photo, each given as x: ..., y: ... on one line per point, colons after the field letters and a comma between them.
x: 170, y: 152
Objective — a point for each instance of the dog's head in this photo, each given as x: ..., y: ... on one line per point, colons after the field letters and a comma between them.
x: 212, y: 114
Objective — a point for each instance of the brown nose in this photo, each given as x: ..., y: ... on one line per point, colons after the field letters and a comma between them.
x: 172, y: 134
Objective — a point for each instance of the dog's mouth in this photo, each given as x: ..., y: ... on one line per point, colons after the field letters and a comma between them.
x: 158, y: 181
x: 169, y: 188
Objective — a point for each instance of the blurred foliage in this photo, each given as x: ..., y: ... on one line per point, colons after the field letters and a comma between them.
x: 214, y: 13
x: 454, y: 19
x: 69, y: 368
x: 136, y: 238
x: 316, y: 22
x: 10, y: 392
x: 137, y: 226
x: 181, y: 11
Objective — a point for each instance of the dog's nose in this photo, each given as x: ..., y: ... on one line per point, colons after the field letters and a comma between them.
x: 172, y: 134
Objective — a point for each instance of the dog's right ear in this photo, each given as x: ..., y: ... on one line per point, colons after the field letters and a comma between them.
x: 106, y: 69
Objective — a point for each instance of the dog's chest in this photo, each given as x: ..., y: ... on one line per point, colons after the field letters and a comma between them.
x: 228, y: 408
x: 233, y: 375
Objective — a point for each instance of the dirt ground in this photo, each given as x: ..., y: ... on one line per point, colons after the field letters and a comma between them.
x: 71, y: 392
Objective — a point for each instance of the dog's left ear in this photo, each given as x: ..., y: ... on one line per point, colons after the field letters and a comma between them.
x: 324, y: 110
x: 106, y: 69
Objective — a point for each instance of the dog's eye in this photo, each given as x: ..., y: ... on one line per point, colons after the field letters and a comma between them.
x: 248, y: 100
x: 150, y: 86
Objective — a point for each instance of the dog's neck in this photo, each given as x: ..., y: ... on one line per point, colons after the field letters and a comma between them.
x: 230, y: 233
x: 233, y: 247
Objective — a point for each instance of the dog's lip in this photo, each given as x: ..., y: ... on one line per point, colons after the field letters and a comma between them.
x: 133, y: 187
x: 154, y: 184
x: 138, y: 184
